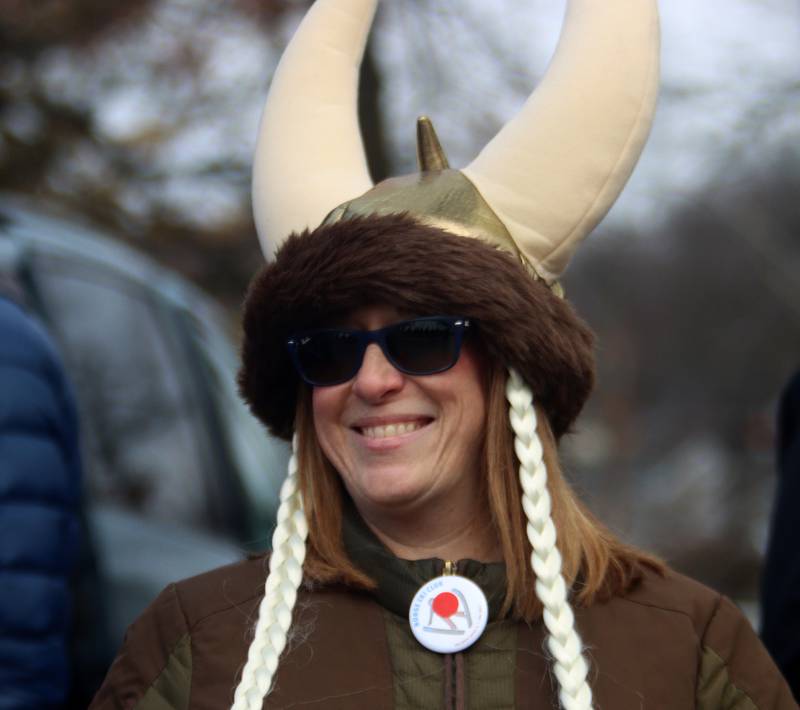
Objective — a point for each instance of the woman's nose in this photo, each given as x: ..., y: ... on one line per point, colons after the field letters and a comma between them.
x: 377, y: 377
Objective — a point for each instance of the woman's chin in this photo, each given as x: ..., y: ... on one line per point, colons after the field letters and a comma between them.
x: 397, y: 491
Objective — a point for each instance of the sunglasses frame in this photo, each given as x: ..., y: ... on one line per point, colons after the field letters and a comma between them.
x: 459, y: 324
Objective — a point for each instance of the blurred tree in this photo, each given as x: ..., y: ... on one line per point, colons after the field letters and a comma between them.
x: 699, y: 328
x: 124, y: 114
x: 26, y: 29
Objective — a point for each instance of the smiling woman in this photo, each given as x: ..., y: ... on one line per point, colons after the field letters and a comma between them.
x: 417, y: 349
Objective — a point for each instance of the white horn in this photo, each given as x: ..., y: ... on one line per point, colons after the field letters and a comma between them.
x: 553, y: 172
x: 309, y: 155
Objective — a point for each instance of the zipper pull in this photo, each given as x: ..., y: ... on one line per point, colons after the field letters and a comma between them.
x: 449, y: 567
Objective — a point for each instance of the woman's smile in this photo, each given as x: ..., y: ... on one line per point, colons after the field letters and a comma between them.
x: 382, y: 433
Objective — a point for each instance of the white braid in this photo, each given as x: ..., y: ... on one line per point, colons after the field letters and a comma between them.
x: 569, y: 665
x: 280, y: 594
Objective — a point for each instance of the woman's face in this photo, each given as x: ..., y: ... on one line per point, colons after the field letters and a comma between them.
x: 400, y: 441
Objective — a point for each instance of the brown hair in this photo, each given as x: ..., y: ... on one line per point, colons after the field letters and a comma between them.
x: 595, y: 563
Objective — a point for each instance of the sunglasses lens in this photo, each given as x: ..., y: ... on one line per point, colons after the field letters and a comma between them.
x: 328, y: 357
x: 423, y: 346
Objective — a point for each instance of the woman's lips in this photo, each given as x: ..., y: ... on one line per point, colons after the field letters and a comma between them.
x: 389, y: 434
x: 382, y: 431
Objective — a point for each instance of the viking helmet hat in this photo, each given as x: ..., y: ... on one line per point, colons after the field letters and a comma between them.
x: 426, y: 243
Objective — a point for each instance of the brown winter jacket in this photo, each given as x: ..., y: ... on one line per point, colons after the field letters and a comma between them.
x: 669, y: 643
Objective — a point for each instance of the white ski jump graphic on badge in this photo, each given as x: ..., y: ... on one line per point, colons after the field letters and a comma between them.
x: 448, y: 614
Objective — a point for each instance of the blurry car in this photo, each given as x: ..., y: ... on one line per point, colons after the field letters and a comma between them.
x: 179, y: 477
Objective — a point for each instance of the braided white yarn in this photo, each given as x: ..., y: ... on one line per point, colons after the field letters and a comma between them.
x: 569, y: 665
x: 280, y: 594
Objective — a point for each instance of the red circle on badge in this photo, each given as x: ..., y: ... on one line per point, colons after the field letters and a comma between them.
x: 445, y: 604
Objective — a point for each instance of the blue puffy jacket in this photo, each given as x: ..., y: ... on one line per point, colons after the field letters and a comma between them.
x: 780, y: 601
x: 39, y: 525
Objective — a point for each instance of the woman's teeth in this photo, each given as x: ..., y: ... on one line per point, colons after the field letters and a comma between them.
x: 379, y: 432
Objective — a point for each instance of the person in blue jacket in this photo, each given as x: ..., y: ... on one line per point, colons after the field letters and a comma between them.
x: 781, y: 582
x: 40, y: 484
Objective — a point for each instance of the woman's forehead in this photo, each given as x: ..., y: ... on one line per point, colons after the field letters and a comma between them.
x: 370, y: 317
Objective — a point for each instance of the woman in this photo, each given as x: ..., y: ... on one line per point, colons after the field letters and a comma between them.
x: 417, y: 349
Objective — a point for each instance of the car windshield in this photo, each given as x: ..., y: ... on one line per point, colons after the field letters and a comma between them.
x: 165, y: 431
x: 261, y: 459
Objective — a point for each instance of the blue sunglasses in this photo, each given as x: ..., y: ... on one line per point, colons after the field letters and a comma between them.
x: 422, y: 346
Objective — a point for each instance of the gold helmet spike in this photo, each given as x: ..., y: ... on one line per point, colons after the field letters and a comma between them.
x: 430, y: 154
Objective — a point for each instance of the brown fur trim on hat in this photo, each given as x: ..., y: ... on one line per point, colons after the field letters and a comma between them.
x: 395, y: 260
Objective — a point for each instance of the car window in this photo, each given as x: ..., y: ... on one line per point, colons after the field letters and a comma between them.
x: 260, y: 460
x: 141, y: 423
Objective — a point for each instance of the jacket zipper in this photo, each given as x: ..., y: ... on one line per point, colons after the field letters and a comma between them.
x: 454, y: 684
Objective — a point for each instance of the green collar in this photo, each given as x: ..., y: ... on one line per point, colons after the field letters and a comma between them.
x: 398, y: 580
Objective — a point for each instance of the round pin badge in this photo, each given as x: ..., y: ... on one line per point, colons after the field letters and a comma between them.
x: 448, y: 614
